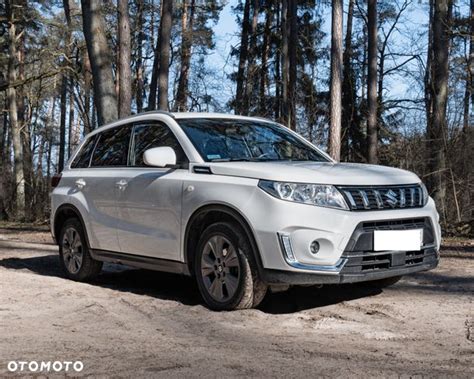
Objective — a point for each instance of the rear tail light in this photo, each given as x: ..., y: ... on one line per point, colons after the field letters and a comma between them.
x: 55, y: 180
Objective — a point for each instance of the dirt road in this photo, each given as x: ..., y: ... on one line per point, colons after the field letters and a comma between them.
x: 141, y: 323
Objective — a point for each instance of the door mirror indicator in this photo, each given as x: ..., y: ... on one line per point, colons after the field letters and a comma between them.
x: 160, y: 157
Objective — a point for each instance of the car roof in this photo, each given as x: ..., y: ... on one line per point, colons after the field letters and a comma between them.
x: 177, y: 116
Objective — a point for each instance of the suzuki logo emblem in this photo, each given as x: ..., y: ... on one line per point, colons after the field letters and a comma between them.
x: 391, y: 198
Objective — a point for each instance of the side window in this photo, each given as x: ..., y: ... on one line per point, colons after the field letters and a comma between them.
x: 83, y: 158
x: 150, y: 135
x: 112, y: 147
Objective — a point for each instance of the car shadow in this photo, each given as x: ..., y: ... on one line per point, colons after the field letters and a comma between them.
x: 184, y: 290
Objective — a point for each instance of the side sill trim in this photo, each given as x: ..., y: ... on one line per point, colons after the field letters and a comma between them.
x: 140, y: 261
x: 290, y: 258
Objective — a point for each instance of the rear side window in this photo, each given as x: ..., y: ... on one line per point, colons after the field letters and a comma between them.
x: 83, y: 158
x: 150, y: 135
x: 112, y: 148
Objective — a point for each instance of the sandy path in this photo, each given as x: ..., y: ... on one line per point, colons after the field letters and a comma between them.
x: 142, y: 323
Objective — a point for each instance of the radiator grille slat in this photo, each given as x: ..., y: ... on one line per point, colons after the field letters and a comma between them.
x: 383, y: 197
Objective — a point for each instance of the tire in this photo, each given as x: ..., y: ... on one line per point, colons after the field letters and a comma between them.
x: 74, y: 256
x: 382, y: 283
x: 225, y: 269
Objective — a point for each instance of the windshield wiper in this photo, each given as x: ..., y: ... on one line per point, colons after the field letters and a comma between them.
x: 244, y: 159
x: 230, y: 160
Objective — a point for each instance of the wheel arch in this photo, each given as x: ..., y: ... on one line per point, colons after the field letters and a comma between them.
x: 207, y: 215
x: 63, y: 213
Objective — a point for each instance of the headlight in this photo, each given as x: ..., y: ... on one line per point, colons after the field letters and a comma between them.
x: 425, y: 193
x: 321, y: 195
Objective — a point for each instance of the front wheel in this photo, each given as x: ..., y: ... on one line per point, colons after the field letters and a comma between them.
x: 225, y: 269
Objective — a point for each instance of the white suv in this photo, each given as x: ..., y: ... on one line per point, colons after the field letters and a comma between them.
x: 239, y: 203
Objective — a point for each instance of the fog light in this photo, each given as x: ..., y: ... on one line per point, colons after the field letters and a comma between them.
x: 314, y: 247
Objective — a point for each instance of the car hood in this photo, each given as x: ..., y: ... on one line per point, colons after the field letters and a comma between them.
x: 317, y: 172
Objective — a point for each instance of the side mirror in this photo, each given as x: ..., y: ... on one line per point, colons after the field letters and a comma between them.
x: 160, y: 157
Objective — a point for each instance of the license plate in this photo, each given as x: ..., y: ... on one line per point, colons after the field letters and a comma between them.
x: 401, y: 240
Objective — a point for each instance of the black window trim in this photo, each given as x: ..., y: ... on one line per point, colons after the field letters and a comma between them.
x: 184, y: 165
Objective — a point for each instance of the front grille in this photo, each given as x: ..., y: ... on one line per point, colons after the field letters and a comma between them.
x: 383, y: 197
x: 372, y: 262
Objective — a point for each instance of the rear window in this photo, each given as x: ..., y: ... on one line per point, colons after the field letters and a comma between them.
x: 83, y: 158
x: 112, y: 148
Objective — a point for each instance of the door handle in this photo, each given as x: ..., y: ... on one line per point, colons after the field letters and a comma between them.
x: 121, y: 184
x: 80, y: 183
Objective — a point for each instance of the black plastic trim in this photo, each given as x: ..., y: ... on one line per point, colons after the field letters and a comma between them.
x: 296, y: 278
x: 202, y: 170
x: 76, y: 211
x: 140, y: 261
x: 234, y: 214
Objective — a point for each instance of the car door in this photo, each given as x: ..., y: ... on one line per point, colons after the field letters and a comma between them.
x: 149, y: 199
x: 99, y: 186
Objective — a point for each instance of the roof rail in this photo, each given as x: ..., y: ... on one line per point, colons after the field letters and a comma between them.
x: 155, y: 111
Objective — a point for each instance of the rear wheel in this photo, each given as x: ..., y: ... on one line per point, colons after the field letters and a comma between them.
x: 74, y: 255
x: 225, y: 269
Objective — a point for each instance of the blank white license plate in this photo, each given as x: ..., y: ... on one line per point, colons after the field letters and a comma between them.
x: 402, y: 240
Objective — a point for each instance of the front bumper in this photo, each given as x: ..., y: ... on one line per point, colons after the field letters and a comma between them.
x: 299, y: 278
x: 345, y: 240
x: 359, y: 262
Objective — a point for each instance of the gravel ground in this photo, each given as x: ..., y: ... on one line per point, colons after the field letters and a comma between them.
x: 146, y: 324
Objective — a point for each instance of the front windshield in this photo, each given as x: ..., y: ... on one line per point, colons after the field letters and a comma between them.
x: 246, y: 140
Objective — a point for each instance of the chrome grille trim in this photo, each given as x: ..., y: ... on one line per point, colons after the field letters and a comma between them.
x: 364, y: 198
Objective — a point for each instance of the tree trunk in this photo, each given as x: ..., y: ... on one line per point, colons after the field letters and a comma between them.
x: 285, y: 63
x: 156, y: 62
x: 265, y: 53
x: 62, y: 123
x: 124, y: 57
x: 24, y: 122
x: 429, y: 71
x: 139, y: 59
x: 13, y: 114
x: 251, y: 67
x: 243, y: 57
x: 70, y: 140
x: 469, y: 95
x: 350, y: 122
x: 186, y: 45
x: 277, y: 75
x: 439, y: 86
x: 101, y: 61
x: 372, y: 132
x: 64, y: 87
x: 336, y: 78
x: 87, y: 94
x: 3, y: 168
x: 164, y: 40
x: 292, y: 60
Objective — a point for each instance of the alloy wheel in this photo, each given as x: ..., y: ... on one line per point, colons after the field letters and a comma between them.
x: 220, y: 268
x: 72, y: 250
